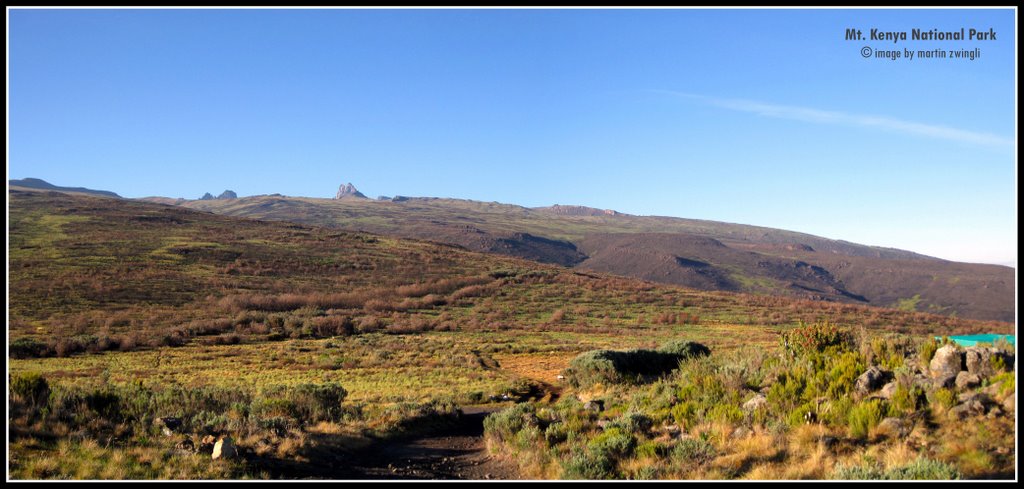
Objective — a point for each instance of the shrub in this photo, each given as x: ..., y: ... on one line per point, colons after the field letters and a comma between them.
x: 28, y: 348
x: 928, y: 349
x: 817, y: 337
x: 920, y: 468
x: 685, y: 349
x: 505, y: 424
x: 863, y: 417
x: 30, y: 388
x: 693, y: 451
x: 584, y: 464
x: 630, y: 366
x: 944, y: 398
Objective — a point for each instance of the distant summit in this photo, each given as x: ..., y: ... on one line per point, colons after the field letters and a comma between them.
x: 227, y: 194
x: 38, y: 184
x: 577, y: 210
x: 348, y: 190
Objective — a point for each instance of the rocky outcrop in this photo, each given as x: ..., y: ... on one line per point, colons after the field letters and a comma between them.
x: 870, y: 381
x: 227, y: 194
x: 348, y: 191
x: 966, y: 380
x: 168, y: 424
x: 225, y: 448
x: 754, y: 403
x: 945, y: 365
x: 207, y: 196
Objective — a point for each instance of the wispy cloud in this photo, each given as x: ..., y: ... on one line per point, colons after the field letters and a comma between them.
x: 842, y: 118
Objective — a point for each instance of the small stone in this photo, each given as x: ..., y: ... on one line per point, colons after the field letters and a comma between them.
x: 888, y: 390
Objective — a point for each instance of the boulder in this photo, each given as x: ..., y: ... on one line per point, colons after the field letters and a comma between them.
x: 966, y: 380
x: 186, y: 445
x: 946, y: 381
x: 757, y: 402
x: 1010, y: 404
x: 869, y: 381
x: 895, y: 427
x: 948, y: 361
x: 978, y: 360
x: 888, y: 390
x: 225, y: 448
x: 168, y: 424
x: 970, y: 406
x: 594, y: 406
x: 207, y: 443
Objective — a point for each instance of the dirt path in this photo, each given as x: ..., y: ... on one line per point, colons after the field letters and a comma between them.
x: 456, y: 452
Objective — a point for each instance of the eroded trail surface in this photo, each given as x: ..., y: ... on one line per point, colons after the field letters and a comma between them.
x: 455, y: 452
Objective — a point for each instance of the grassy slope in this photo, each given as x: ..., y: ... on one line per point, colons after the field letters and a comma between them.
x: 882, y: 276
x: 248, y: 301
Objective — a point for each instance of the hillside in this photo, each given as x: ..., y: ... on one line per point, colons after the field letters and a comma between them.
x: 702, y: 254
x: 37, y: 184
x: 314, y: 348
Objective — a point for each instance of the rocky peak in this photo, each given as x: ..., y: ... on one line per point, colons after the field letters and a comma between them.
x: 206, y: 196
x: 348, y: 190
x: 228, y: 194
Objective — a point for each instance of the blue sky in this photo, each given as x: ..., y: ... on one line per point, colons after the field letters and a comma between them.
x: 765, y: 117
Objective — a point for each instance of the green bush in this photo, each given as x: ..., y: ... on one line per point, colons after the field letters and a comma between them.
x: 584, y: 464
x: 613, y: 442
x: 863, y: 417
x: 944, y: 398
x: 905, y: 400
x: 693, y: 451
x: 28, y: 348
x: 31, y: 388
x: 685, y: 349
x: 928, y: 349
x: 630, y: 366
x: 504, y: 425
x: 920, y: 469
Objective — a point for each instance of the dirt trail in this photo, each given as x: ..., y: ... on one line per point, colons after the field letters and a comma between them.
x: 455, y: 452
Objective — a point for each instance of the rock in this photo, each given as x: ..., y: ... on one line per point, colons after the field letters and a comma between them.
x: 948, y: 361
x: 348, y: 191
x: 757, y: 402
x: 206, y: 196
x: 970, y: 406
x: 206, y: 444
x: 186, y: 445
x: 895, y: 427
x: 225, y: 448
x: 810, y: 417
x: 740, y: 433
x: 869, y: 381
x: 603, y: 423
x: 946, y: 381
x: 888, y: 390
x: 168, y: 424
x: 966, y: 380
x: 228, y: 194
x: 594, y: 406
x: 1009, y: 404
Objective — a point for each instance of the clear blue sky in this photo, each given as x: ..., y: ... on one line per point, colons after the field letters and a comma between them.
x: 765, y: 117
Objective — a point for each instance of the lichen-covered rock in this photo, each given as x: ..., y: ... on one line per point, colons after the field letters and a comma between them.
x: 966, y: 380
x: 948, y: 361
x: 888, y: 390
x: 869, y: 381
x: 895, y: 427
x: 757, y: 402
